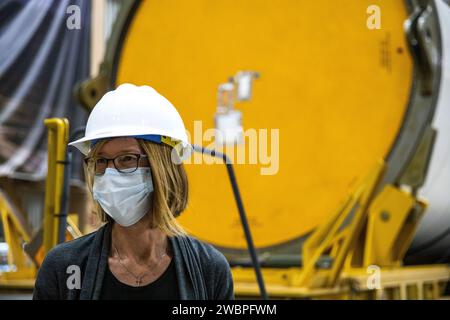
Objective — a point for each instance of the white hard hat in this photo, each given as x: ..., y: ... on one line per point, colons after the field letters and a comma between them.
x: 136, y: 111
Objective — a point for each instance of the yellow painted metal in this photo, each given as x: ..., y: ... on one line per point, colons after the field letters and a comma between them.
x: 337, y: 237
x: 281, y: 283
x: 23, y: 270
x: 369, y: 234
x: 412, y: 282
x: 58, y: 136
x: 336, y: 90
x: 24, y: 281
x: 392, y: 221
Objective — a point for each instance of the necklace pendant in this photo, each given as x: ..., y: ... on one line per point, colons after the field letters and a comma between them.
x: 138, y: 282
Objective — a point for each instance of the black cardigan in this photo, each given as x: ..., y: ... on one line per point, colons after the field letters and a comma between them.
x: 202, y: 271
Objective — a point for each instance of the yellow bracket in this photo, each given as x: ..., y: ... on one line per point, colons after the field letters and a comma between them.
x: 15, y: 235
x: 336, y: 238
x: 58, y: 136
x: 392, y: 221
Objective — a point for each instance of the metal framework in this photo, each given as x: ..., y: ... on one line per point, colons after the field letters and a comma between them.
x: 24, y: 262
x: 365, y: 241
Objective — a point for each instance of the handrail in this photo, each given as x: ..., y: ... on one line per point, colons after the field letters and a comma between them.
x: 54, y: 221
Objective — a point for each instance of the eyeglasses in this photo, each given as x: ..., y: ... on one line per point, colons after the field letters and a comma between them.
x: 126, y: 163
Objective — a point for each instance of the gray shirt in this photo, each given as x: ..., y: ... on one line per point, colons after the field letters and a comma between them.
x: 75, y: 270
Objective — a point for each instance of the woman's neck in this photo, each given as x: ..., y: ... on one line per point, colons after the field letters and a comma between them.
x: 139, y: 242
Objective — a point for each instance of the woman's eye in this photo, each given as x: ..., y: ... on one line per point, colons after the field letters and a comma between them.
x: 127, y: 158
x: 101, y: 161
x: 127, y: 161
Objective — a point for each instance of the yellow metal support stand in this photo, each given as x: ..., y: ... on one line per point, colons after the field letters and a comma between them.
x: 391, y: 223
x: 58, y: 136
x: 22, y: 271
x: 337, y: 237
x: 365, y: 241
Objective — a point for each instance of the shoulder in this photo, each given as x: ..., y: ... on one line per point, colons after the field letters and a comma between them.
x: 70, y: 252
x: 216, y: 269
x: 208, y: 253
x: 60, y: 260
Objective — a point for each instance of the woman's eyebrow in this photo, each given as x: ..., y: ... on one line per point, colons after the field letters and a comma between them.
x: 132, y: 151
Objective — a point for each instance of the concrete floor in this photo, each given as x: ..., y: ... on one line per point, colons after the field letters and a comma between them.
x: 16, y: 295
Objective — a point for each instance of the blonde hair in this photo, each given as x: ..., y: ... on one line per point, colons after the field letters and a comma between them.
x: 170, y: 184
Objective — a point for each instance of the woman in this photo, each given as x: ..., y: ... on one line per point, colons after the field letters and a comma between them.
x: 134, y: 143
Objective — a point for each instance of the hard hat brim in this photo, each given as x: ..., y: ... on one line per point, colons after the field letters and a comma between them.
x: 84, y: 144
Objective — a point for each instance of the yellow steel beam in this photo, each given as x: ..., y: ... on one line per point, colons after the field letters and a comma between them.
x: 408, y: 282
x: 58, y: 136
x: 412, y: 282
x: 15, y: 235
x: 392, y: 221
x: 337, y: 237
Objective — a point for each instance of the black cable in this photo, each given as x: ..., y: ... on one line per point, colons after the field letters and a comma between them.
x: 65, y: 196
x: 242, y: 214
x: 64, y: 207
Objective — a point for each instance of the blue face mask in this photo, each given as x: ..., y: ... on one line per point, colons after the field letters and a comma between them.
x: 125, y: 197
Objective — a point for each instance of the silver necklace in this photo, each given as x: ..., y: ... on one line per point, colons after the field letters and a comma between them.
x: 139, y: 277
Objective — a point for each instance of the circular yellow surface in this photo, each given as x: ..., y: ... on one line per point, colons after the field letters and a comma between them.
x: 335, y: 89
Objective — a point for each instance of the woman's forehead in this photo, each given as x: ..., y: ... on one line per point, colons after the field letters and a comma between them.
x: 120, y: 144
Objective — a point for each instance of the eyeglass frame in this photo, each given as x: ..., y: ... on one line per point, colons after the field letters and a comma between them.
x: 138, y: 155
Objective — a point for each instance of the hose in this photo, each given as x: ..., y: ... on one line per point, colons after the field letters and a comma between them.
x: 242, y: 214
